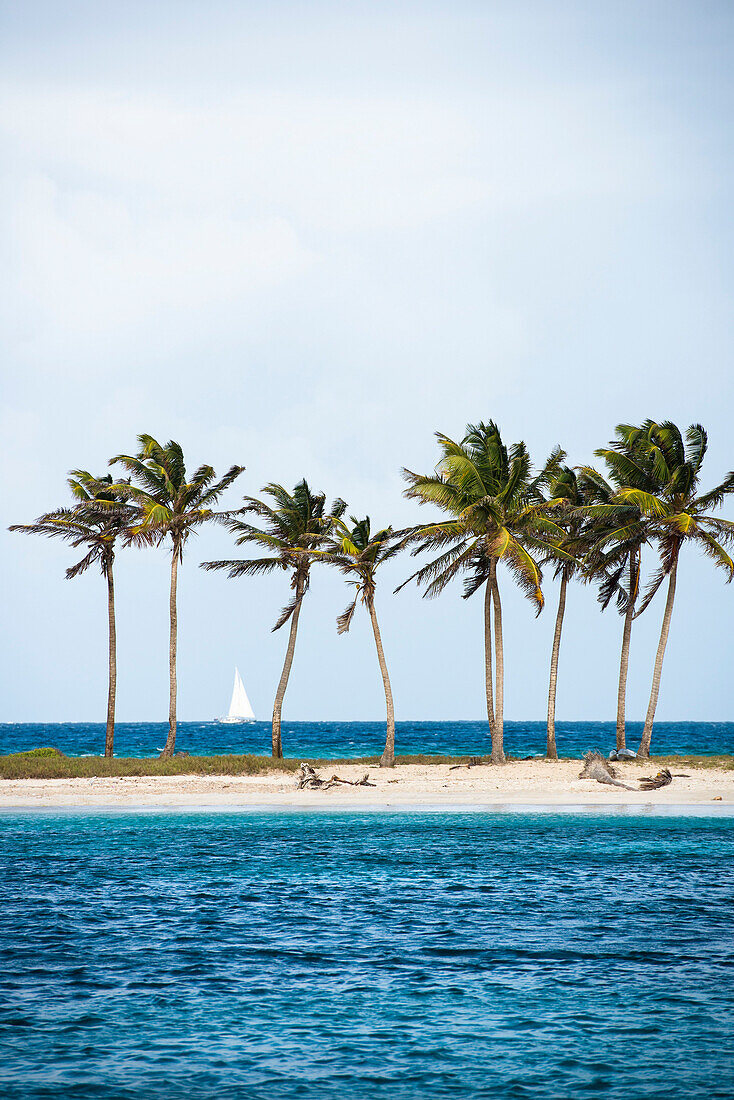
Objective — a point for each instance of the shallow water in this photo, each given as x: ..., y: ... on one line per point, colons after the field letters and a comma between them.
x: 350, y: 739
x: 404, y: 955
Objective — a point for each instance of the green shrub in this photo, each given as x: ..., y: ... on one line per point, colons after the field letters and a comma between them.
x: 47, y: 750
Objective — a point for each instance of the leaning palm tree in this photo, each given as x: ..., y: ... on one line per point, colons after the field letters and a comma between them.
x: 678, y: 516
x: 358, y: 552
x: 567, y: 500
x: 616, y: 534
x: 171, y: 507
x: 99, y: 518
x: 497, y: 516
x: 294, y: 526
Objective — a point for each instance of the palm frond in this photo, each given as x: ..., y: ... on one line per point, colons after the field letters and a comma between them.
x: 244, y: 567
x: 716, y: 552
x: 344, y: 621
x: 716, y: 497
x: 696, y: 445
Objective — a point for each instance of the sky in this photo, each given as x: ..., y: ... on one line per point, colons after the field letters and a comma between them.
x: 305, y: 237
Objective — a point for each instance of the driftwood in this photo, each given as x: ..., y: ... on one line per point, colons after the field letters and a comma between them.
x: 474, y: 762
x: 311, y: 780
x: 651, y: 783
x: 596, y: 767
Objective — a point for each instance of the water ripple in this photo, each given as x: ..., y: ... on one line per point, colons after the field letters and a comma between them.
x: 404, y: 956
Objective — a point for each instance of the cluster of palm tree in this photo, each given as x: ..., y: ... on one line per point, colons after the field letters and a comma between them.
x: 495, y: 510
x: 155, y: 505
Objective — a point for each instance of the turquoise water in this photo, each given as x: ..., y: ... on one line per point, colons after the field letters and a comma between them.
x: 349, y: 739
x: 404, y: 955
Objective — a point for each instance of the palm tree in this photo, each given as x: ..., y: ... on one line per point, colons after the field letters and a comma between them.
x: 294, y: 525
x: 677, y: 515
x: 171, y: 506
x: 497, y: 514
x: 615, y: 536
x: 358, y: 552
x: 96, y: 522
x: 568, y: 497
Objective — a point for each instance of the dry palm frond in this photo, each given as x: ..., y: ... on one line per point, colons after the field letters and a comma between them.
x: 652, y: 783
x: 596, y: 767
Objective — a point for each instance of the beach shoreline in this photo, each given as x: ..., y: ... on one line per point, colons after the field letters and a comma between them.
x: 535, y: 785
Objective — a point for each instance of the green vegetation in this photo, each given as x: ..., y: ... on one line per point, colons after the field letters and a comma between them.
x: 497, y: 511
x: 32, y: 765
x: 720, y: 761
x: 45, y: 751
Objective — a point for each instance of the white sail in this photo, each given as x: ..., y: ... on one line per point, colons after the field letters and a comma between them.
x: 240, y: 707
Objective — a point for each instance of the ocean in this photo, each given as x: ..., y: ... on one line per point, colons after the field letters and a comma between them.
x: 276, y: 956
x: 353, y: 739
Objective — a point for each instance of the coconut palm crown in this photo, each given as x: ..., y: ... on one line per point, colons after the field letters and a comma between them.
x: 100, y: 516
x: 498, y: 515
x: 171, y: 505
x: 294, y: 525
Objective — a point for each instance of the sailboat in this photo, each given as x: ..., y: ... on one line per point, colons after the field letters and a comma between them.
x: 240, y: 709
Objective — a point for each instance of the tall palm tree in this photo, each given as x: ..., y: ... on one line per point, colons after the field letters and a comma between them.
x: 358, y: 552
x: 171, y: 507
x: 294, y: 525
x: 568, y: 498
x: 678, y: 515
x: 616, y: 534
x: 496, y: 505
x: 99, y: 518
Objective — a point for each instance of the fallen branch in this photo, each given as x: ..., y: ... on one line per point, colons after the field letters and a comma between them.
x: 309, y: 779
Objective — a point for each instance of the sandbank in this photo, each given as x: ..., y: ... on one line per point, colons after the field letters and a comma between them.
x: 519, y: 784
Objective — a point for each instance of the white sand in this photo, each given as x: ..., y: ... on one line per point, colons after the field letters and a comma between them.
x: 413, y: 786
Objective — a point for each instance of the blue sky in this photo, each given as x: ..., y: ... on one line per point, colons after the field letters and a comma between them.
x: 305, y: 237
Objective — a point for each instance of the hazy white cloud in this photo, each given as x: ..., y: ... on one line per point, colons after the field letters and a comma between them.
x: 88, y: 263
x: 306, y: 241
x: 132, y: 212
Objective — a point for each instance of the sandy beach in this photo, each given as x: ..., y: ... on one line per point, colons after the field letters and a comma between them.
x: 531, y: 783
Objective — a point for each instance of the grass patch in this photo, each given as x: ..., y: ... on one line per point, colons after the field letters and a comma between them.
x: 30, y: 765
x: 726, y: 763
x: 49, y: 763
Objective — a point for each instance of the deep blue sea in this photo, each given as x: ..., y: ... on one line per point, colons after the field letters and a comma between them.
x: 276, y: 956
x: 350, y: 739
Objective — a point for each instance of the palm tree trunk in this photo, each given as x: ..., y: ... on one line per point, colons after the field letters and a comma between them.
x: 644, y: 749
x: 624, y: 659
x: 280, y: 693
x: 551, y: 751
x: 498, y: 751
x: 387, y: 760
x: 488, y: 682
x: 109, y: 745
x: 171, y: 739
